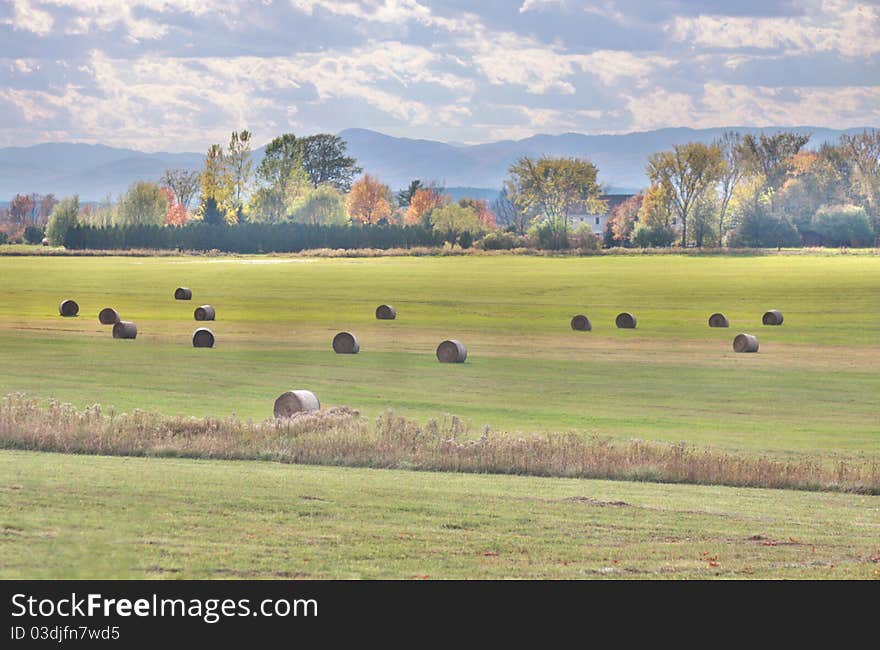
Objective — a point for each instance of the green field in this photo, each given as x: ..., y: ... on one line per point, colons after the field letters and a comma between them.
x: 812, y: 392
x: 66, y: 516
x: 813, y: 386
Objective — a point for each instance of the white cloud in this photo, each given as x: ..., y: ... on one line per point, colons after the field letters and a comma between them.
x: 90, y: 15
x: 151, y: 101
x: 396, y: 12
x: 852, y: 29
x: 741, y: 105
x: 507, y: 58
x: 536, y: 5
x: 464, y: 78
x: 27, y: 17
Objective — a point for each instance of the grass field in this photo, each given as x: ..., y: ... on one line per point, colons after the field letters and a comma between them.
x: 813, y: 386
x: 67, y: 516
x: 811, y: 392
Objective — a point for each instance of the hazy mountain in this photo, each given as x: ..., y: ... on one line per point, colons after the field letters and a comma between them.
x: 94, y: 171
x: 620, y: 158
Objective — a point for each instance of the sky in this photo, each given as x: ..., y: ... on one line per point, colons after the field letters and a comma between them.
x: 178, y: 75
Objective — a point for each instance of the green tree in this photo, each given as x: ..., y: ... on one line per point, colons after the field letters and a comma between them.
x: 325, y: 161
x: 843, y: 225
x: 644, y: 236
x: 452, y: 221
x: 757, y: 225
x: 322, y: 206
x: 143, y: 203
x: 554, y: 189
x: 404, y: 196
x: 239, y: 167
x: 863, y: 151
x: 211, y: 212
x: 704, y: 219
x: 63, y: 217
x: 734, y: 167
x: 281, y: 164
x: 685, y: 173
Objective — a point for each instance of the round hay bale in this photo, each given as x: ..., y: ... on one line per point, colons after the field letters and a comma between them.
x: 772, y: 317
x: 625, y: 320
x: 581, y: 323
x: 203, y: 338
x: 718, y: 320
x: 125, y: 329
x: 346, y: 343
x: 386, y: 312
x: 108, y: 316
x: 745, y: 343
x: 205, y: 312
x: 68, y: 308
x: 182, y: 293
x: 451, y: 351
x: 296, y: 401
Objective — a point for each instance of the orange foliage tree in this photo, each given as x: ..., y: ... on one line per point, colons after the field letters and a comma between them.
x: 424, y: 201
x: 481, y: 207
x: 176, y: 214
x: 368, y: 201
x: 624, y: 217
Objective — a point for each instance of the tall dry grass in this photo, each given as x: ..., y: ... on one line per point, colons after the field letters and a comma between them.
x: 341, y: 436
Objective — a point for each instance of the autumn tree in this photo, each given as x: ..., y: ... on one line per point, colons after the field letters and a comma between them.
x: 20, y: 209
x: 324, y: 159
x: 685, y: 173
x: 553, y: 189
x: 143, y: 203
x: 424, y: 202
x: 369, y: 200
x: 216, y: 188
x: 770, y: 155
x: 47, y: 204
x: 624, y: 217
x: 183, y: 183
x: 481, y: 208
x: 175, y: 214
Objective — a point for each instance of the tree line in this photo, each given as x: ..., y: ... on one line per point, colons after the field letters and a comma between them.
x: 740, y: 191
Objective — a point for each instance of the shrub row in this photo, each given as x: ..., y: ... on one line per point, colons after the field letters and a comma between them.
x: 247, y: 237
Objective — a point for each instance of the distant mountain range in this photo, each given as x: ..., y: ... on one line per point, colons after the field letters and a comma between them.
x: 95, y: 171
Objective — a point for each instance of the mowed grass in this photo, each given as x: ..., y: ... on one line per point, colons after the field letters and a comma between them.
x: 814, y: 385
x: 67, y: 516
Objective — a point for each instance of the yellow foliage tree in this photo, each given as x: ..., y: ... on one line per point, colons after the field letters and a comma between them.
x: 423, y: 202
x: 369, y: 201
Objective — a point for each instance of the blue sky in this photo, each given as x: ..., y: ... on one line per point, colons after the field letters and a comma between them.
x: 177, y: 75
